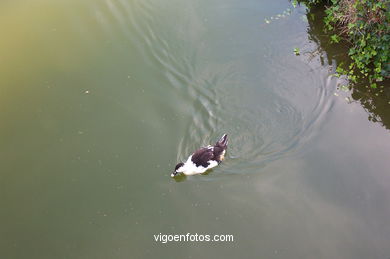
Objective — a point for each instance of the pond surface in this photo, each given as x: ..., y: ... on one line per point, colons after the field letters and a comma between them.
x: 101, y: 98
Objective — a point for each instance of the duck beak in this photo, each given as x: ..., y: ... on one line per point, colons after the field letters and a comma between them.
x: 174, y: 173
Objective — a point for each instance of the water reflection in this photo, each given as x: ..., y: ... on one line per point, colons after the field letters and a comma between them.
x: 101, y: 98
x: 375, y: 101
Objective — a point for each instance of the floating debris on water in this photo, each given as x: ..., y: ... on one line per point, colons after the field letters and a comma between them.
x: 284, y: 14
x: 344, y: 88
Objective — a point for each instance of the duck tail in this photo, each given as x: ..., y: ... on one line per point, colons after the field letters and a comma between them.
x: 223, y: 141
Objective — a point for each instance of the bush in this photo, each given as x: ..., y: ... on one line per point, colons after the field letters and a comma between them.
x: 365, y: 24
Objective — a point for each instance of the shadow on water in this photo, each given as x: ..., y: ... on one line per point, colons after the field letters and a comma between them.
x: 375, y: 101
x: 182, y: 177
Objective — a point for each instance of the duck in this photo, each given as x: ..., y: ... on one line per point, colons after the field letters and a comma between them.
x: 203, y: 159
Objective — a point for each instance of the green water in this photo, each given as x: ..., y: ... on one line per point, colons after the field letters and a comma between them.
x: 100, y: 99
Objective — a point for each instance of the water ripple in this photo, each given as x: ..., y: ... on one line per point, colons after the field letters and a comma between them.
x: 268, y: 113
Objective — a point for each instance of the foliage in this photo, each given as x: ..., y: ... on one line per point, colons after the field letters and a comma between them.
x: 365, y: 24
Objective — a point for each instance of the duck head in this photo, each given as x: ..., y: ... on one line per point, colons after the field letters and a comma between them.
x: 178, y: 169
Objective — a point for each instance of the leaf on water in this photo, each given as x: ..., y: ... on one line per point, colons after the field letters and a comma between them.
x: 344, y: 88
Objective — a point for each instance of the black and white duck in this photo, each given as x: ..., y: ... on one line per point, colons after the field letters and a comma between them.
x: 203, y: 159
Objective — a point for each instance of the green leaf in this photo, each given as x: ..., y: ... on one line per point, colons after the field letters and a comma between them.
x: 335, y: 38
